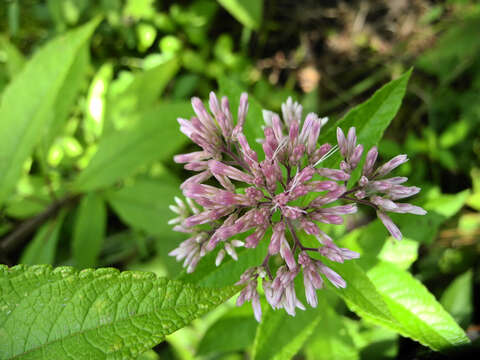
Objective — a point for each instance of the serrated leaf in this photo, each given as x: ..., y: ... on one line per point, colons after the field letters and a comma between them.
x: 42, y: 248
x: 458, y: 298
x: 155, y: 137
x: 23, y: 123
x: 421, y: 317
x: 254, y: 120
x: 370, y: 119
x: 145, y: 204
x: 248, y: 12
x: 89, y: 230
x: 219, y: 339
x: 93, y: 314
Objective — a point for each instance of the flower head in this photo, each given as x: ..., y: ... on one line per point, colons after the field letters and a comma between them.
x: 274, y: 191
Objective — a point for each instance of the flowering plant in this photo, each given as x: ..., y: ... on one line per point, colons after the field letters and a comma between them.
x: 253, y: 194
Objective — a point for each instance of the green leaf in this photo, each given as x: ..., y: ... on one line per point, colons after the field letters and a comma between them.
x: 129, y: 97
x: 155, y: 137
x: 89, y: 230
x: 66, y: 97
x: 14, y: 59
x: 370, y: 118
x: 421, y: 317
x: 254, y: 120
x: 24, y: 123
x: 280, y: 336
x: 360, y: 294
x: 458, y: 298
x: 145, y: 204
x: 219, y: 339
x: 330, y: 339
x: 373, y: 242
x: 42, y: 249
x: 96, y: 314
x: 401, y: 253
x: 95, y: 104
x: 248, y: 12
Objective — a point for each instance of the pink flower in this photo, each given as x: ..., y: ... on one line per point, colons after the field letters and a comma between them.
x: 284, y: 189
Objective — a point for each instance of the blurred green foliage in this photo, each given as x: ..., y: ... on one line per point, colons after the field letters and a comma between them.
x: 90, y: 94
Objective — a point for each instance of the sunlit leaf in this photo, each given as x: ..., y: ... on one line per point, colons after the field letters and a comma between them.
x: 24, y: 123
x: 415, y: 308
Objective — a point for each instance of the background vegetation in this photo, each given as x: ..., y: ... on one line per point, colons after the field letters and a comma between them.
x: 91, y: 177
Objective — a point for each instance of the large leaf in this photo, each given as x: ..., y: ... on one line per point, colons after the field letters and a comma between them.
x: 23, y: 123
x: 155, y: 137
x: 89, y: 230
x: 370, y: 118
x: 42, y: 249
x: 93, y: 314
x: 248, y: 12
x: 415, y: 308
x: 280, y: 336
x: 145, y: 204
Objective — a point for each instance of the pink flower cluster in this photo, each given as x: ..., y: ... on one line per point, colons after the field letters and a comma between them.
x: 255, y: 195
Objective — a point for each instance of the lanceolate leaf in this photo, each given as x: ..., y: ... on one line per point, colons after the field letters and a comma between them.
x: 155, y: 137
x: 370, y: 118
x: 391, y: 297
x: 27, y: 107
x: 89, y: 230
x: 42, y: 249
x: 415, y: 308
x: 93, y: 314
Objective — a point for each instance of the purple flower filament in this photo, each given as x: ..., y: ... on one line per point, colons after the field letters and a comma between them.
x: 254, y: 195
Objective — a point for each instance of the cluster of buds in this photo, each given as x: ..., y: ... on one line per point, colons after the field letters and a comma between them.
x: 252, y: 195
